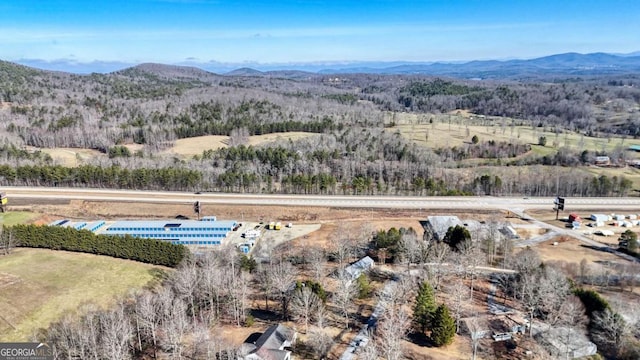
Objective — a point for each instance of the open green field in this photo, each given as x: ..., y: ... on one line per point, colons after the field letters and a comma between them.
x: 38, y: 286
x: 16, y: 217
x: 630, y: 173
x: 448, y: 130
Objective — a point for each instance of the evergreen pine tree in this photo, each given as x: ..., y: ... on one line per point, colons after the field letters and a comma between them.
x: 424, y: 308
x: 444, y: 326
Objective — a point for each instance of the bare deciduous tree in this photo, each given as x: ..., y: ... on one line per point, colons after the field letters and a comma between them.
x: 186, y: 283
x: 318, y: 264
x: 438, y: 254
x: 283, y: 276
x: 147, y: 319
x: 239, y: 136
x: 471, y: 257
x: 610, y: 330
x: 391, y: 330
x: 320, y: 341
x: 342, y: 243
x: 346, y: 290
x: 571, y: 322
x: 410, y: 249
x: 553, y: 288
x: 457, y: 295
x: 175, y: 327
x: 305, y: 305
x: 116, y: 333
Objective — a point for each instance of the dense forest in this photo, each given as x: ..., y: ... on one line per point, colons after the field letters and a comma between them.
x: 352, y: 150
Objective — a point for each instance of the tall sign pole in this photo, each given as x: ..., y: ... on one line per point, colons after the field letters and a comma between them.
x: 196, y: 208
x: 559, y: 201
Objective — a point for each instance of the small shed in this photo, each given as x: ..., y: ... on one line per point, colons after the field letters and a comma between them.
x: 599, y: 217
x: 602, y: 160
x: 360, y: 266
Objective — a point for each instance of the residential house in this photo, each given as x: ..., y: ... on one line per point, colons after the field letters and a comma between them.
x: 271, y: 345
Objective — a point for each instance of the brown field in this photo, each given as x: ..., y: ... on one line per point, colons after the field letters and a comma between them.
x: 70, y: 156
x: 571, y: 251
x: 196, y: 145
x: 279, y: 137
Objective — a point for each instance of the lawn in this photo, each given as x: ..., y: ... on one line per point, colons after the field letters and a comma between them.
x: 16, y: 217
x: 38, y: 286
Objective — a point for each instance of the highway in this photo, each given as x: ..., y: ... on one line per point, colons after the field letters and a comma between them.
x: 515, y: 204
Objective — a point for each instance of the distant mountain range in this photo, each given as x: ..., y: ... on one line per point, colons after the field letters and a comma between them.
x: 560, y: 65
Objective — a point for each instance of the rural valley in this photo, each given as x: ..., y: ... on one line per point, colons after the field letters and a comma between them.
x: 130, y: 230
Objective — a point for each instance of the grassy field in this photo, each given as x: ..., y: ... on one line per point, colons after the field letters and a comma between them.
x: 16, y: 217
x: 72, y: 157
x: 196, y: 145
x: 449, y: 130
x: 38, y: 286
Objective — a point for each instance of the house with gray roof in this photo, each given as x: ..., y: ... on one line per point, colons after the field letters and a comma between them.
x: 435, y: 228
x: 271, y: 345
x: 354, y: 270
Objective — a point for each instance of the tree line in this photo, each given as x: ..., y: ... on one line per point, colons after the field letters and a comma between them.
x: 125, y: 247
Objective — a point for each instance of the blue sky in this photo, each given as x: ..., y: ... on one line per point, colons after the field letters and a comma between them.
x: 174, y: 31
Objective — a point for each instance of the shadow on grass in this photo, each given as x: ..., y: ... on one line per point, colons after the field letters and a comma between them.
x: 265, y: 315
x: 158, y: 277
x: 598, y: 248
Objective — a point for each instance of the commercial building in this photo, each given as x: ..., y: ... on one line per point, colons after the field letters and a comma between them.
x: 205, y: 232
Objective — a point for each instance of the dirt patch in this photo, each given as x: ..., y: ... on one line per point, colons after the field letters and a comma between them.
x: 9, y: 280
x: 460, y: 349
x: 528, y: 233
x: 571, y: 250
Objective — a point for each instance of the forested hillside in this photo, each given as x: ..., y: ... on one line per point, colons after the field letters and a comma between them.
x: 354, y: 147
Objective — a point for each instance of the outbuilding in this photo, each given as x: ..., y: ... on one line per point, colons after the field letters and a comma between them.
x: 599, y: 217
x: 573, y: 217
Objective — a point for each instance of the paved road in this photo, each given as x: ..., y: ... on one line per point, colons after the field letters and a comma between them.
x: 516, y: 204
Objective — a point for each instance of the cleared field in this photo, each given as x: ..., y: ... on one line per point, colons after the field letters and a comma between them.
x: 16, y: 217
x: 279, y: 137
x: 37, y: 286
x: 447, y: 130
x: 71, y: 157
x: 630, y: 173
x: 196, y: 145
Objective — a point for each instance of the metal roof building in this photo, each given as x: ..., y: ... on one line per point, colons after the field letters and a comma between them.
x: 185, y: 232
